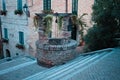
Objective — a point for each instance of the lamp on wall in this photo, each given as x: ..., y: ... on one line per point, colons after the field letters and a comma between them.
x: 25, y: 9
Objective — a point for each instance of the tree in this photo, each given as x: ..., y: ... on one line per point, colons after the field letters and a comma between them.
x: 106, y: 20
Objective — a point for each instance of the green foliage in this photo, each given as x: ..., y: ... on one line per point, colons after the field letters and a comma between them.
x: 47, y: 23
x: 20, y: 12
x: 107, y: 22
x: 60, y: 20
x: 99, y: 38
x: 79, y: 21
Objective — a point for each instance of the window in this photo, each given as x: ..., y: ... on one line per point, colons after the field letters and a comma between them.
x: 3, y: 5
x: 47, y: 4
x: 5, y: 33
x: 74, y: 6
x: 21, y: 37
x: 19, y: 4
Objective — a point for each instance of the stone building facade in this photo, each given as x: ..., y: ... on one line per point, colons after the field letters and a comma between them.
x: 18, y: 25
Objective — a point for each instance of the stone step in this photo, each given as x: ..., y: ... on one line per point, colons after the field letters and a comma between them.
x: 69, y: 68
x: 64, y: 73
x: 74, y: 74
x: 10, y: 69
x: 80, y: 59
x: 14, y: 62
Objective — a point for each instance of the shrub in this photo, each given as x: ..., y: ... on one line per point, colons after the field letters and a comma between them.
x: 99, y: 38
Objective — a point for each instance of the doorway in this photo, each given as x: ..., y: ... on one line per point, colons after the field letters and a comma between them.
x: 8, y: 53
x: 74, y: 33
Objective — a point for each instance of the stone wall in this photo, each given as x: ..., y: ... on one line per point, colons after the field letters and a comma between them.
x: 55, y: 54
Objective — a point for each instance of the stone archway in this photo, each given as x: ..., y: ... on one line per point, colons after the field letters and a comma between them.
x: 8, y: 53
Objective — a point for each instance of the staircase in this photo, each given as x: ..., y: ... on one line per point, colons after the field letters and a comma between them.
x: 68, y: 70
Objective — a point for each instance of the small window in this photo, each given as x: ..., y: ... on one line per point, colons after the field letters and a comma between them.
x: 19, y: 4
x: 74, y: 6
x: 3, y: 5
x: 5, y: 33
x: 47, y: 4
x: 21, y: 37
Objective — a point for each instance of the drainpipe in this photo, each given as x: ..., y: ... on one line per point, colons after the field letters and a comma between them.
x: 66, y: 6
x: 1, y: 53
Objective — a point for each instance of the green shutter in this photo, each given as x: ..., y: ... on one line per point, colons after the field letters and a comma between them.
x: 47, y: 4
x: 44, y: 4
x: 4, y: 5
x: 5, y: 33
x: 21, y: 37
x: 75, y: 7
x: 19, y: 4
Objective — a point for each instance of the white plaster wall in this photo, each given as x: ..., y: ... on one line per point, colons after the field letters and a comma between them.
x: 14, y: 24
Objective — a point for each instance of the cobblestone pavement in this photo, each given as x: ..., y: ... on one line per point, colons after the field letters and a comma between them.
x: 106, y: 69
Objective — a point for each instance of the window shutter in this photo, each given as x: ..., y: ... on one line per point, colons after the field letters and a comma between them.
x: 49, y: 4
x: 75, y: 7
x: 5, y: 33
x: 21, y: 37
x: 19, y: 4
x: 4, y: 5
x: 44, y: 4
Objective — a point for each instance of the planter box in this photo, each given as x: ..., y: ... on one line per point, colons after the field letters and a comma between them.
x: 5, y: 40
x: 2, y: 12
x: 20, y: 46
x: 20, y: 12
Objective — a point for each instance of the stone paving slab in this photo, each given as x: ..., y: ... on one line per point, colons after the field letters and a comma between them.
x: 22, y: 72
x: 15, y: 62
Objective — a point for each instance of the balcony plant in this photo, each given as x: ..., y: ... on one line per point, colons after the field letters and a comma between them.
x: 20, y: 12
x: 3, y: 12
x: 4, y: 40
x: 20, y: 46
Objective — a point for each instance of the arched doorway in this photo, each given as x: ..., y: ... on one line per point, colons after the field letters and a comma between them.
x: 8, y: 53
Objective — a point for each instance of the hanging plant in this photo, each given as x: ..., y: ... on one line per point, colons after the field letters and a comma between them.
x: 60, y: 21
x: 47, y: 22
x: 36, y: 21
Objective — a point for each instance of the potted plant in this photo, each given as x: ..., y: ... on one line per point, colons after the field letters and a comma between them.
x: 5, y: 40
x: 20, y: 12
x: 20, y: 46
x: 3, y: 12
